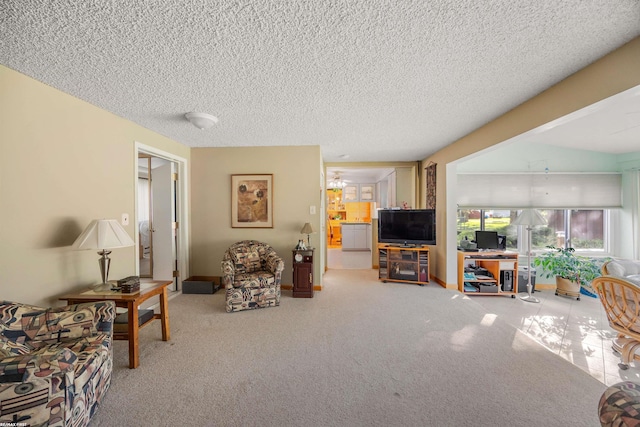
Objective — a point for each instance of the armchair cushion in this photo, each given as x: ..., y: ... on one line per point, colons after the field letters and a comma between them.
x: 67, y: 324
x: 635, y: 279
x: 36, y: 326
x: 259, y: 279
x: 247, y: 259
x: 622, y: 268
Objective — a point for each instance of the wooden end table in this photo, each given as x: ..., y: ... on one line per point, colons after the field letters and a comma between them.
x: 131, y: 303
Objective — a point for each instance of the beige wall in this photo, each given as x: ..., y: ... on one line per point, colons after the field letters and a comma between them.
x: 405, y: 187
x: 612, y: 74
x: 63, y: 162
x: 296, y: 186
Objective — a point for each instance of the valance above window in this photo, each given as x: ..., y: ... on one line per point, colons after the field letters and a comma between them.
x: 540, y: 190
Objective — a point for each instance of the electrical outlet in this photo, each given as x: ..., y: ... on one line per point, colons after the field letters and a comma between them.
x: 312, y: 210
x: 125, y: 219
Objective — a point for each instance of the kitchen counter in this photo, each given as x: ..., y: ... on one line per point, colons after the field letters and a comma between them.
x: 356, y: 236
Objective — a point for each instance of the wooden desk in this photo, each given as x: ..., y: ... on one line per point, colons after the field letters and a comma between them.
x: 131, y: 303
x: 497, y: 264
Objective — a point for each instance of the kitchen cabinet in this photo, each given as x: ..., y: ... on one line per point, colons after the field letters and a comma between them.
x: 356, y: 236
x: 359, y: 193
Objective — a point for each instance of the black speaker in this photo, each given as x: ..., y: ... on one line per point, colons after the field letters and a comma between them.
x: 502, y: 242
x: 506, y: 280
x: 523, y: 278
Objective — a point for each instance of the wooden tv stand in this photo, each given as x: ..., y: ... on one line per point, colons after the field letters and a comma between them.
x: 407, y: 264
x: 498, y: 264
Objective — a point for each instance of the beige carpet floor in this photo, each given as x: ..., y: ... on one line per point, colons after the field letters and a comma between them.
x: 360, y: 353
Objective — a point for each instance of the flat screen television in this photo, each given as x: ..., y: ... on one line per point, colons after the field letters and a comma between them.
x: 487, y: 239
x: 407, y: 227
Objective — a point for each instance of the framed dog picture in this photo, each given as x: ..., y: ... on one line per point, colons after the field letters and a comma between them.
x: 252, y: 201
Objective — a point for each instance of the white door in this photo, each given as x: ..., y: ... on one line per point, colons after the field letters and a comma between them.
x: 164, y: 242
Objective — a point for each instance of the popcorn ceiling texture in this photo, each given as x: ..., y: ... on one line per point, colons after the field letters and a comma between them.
x: 378, y: 80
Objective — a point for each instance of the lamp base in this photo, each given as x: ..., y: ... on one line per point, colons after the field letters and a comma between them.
x: 529, y: 298
x: 102, y: 287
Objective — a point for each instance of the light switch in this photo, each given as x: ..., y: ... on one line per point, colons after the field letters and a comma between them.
x: 312, y: 210
x: 125, y: 219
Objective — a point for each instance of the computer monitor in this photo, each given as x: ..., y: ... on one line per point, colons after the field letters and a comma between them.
x: 487, y: 239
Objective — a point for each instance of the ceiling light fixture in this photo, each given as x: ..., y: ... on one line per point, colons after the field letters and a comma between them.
x: 201, y: 120
x: 337, y: 183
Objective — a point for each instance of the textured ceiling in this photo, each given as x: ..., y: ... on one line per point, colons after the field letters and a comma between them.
x: 376, y: 80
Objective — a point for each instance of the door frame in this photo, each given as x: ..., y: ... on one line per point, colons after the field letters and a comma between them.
x: 182, y: 201
x: 148, y: 157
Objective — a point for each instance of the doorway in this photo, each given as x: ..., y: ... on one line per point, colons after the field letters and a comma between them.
x: 160, y: 201
x: 354, y: 193
x: 145, y: 237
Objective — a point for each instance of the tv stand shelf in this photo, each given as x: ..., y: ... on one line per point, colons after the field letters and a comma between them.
x: 403, y: 264
x: 502, y: 267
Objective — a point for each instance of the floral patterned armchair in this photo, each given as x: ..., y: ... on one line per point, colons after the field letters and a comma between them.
x: 55, y: 364
x: 251, y: 272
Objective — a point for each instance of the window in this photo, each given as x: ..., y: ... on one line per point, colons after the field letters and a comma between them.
x: 470, y: 220
x: 583, y: 229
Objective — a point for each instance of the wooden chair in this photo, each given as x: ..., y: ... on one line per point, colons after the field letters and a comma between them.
x: 331, y: 234
x: 335, y: 231
x: 621, y: 301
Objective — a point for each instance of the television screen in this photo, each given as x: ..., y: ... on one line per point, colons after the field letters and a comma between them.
x: 487, y: 239
x: 407, y: 226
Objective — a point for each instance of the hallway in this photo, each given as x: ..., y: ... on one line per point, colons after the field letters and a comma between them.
x: 348, y: 260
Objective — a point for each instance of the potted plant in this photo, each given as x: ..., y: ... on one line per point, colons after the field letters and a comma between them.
x: 570, y: 270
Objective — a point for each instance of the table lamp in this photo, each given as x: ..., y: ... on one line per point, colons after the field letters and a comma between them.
x: 529, y: 217
x: 104, y: 235
x: 307, y: 229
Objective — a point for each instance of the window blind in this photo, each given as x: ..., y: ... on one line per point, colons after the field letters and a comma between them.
x: 540, y: 190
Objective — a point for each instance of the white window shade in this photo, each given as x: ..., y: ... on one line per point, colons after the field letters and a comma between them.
x: 540, y: 190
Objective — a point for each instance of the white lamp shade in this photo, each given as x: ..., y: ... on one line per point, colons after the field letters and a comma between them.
x: 307, y: 229
x: 201, y: 120
x: 103, y: 234
x: 529, y: 217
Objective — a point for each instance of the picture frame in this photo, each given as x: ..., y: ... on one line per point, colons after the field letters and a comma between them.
x: 252, y: 201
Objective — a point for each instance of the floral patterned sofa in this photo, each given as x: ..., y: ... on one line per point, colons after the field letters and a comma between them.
x: 251, y: 273
x: 55, y: 364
